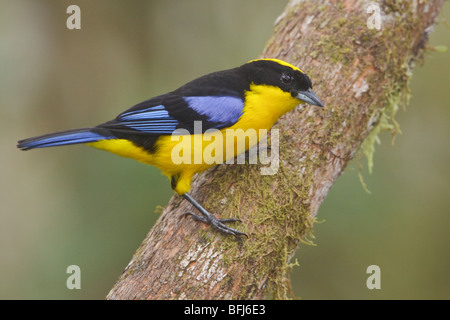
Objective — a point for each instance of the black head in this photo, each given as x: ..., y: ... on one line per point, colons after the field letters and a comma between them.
x: 281, y: 74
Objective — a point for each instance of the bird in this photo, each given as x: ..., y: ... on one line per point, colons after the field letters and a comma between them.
x: 251, y: 96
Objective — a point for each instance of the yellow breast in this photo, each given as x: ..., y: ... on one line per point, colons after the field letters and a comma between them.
x: 263, y: 106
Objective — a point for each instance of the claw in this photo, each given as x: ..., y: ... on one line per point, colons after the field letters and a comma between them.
x: 210, y: 219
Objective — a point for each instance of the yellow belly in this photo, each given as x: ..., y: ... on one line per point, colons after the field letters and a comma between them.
x: 186, y: 155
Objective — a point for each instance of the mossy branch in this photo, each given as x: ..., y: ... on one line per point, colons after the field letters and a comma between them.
x: 361, y: 74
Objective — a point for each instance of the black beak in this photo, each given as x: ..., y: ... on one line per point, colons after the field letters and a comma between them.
x: 310, y: 97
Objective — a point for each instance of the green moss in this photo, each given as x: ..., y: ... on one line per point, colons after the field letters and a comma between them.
x: 440, y: 49
x: 396, y: 90
x: 345, y: 41
x: 264, y: 247
x: 314, y: 54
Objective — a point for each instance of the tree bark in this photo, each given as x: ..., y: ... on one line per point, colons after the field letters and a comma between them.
x: 361, y: 75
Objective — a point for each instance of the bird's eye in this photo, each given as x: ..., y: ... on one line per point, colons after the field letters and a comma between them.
x: 286, y: 79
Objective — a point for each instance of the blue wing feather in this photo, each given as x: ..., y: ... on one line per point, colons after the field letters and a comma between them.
x: 165, y: 114
x: 152, y: 126
x: 156, y: 112
x: 223, y: 110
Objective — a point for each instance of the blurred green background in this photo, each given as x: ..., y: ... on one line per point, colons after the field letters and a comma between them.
x: 76, y: 205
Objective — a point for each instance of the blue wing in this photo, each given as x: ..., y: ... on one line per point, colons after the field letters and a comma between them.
x: 224, y: 111
x: 167, y: 113
x: 154, y: 119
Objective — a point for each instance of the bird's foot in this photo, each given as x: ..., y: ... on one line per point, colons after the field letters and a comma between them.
x: 210, y: 219
x: 218, y: 224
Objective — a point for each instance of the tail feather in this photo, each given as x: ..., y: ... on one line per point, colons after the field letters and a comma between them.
x: 61, y: 139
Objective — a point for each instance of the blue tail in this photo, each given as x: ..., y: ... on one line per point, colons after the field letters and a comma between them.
x: 61, y: 139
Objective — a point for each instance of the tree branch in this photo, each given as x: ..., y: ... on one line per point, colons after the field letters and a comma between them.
x: 361, y: 75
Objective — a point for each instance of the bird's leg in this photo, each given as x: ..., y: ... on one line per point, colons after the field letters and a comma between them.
x: 210, y: 219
